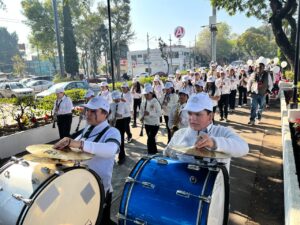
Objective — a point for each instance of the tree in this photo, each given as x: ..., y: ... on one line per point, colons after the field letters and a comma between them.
x: 8, y: 48
x: 121, y: 28
x: 70, y: 53
x: 275, y: 12
x: 2, y: 5
x: 18, y: 65
x: 163, y: 50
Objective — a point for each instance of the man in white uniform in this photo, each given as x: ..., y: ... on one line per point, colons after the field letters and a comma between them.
x: 201, y: 133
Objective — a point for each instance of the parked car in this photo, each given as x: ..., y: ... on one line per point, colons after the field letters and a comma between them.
x: 160, y: 73
x: 14, y: 89
x: 24, y: 81
x: 39, y: 85
x: 48, y: 78
x: 66, y: 85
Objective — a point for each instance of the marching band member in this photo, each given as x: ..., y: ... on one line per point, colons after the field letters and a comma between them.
x: 187, y: 84
x: 169, y: 99
x: 199, y: 86
x: 158, y: 87
x: 150, y: 114
x: 201, y: 133
x: 119, y: 113
x: 62, y: 110
x: 243, y: 80
x: 105, y: 93
x: 214, y: 94
x: 234, y: 82
x: 177, y: 81
x: 178, y: 118
x: 223, y: 84
x: 101, y: 140
x: 127, y: 98
x: 136, y: 91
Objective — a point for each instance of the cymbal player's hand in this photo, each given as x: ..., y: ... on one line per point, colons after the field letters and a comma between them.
x: 146, y: 113
x: 62, y: 144
x: 204, y: 141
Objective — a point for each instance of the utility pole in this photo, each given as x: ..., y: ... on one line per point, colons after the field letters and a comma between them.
x: 195, y: 53
x: 56, y: 25
x: 171, y: 54
x: 148, y: 55
x: 38, y: 57
x: 110, y: 45
x: 213, y: 30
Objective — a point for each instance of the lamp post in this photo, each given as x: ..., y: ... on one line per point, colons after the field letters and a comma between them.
x: 110, y: 45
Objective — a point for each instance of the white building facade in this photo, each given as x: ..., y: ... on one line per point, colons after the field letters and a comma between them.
x: 138, y: 60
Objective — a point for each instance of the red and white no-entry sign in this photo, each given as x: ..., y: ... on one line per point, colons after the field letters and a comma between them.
x: 179, y: 32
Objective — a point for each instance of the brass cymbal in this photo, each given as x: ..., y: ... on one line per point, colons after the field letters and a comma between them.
x: 203, y: 153
x: 47, y: 151
x: 34, y: 158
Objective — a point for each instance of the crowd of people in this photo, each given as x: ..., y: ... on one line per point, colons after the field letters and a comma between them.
x: 186, y: 103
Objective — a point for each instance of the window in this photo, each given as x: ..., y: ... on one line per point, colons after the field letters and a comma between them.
x: 80, y: 85
x: 133, y: 57
x: 139, y: 56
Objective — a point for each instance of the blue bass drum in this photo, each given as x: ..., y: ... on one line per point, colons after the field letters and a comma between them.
x: 164, y: 191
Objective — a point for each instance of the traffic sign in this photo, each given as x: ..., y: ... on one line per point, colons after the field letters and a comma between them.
x: 179, y: 32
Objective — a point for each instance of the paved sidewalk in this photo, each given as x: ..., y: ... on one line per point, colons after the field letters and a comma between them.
x: 256, y: 192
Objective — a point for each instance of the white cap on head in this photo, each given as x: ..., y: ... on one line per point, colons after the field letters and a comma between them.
x: 97, y: 103
x: 134, y: 80
x: 116, y: 95
x: 200, y: 83
x: 198, y: 103
x: 156, y: 79
x: 147, y: 90
x: 171, y: 76
x: 125, y: 85
x: 168, y: 85
x: 183, y: 91
x: 185, y: 78
x: 177, y: 72
x: 59, y: 90
x: 103, y: 84
x: 210, y: 79
x: 147, y: 85
x: 89, y: 94
x: 261, y: 60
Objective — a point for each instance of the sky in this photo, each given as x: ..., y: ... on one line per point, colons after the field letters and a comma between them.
x: 157, y: 17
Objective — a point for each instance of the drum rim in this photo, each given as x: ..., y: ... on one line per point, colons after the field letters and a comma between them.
x: 51, y: 178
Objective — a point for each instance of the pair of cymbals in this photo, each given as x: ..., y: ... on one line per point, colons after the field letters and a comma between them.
x: 47, y: 151
x: 203, y: 153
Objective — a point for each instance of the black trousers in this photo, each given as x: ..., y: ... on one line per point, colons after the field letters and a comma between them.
x: 121, y: 126
x: 223, y: 105
x: 127, y: 127
x: 151, y: 143
x: 136, y: 104
x: 242, y: 95
x: 64, y: 123
x: 105, y: 220
x: 166, y: 118
x: 232, y: 96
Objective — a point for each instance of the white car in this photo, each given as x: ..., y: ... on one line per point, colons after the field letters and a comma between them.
x: 39, y: 85
x: 13, y: 90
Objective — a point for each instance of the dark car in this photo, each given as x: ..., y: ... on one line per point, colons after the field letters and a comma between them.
x: 161, y: 74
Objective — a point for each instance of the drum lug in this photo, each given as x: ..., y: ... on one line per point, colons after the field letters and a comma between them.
x: 213, y: 169
x: 144, y: 183
x: 135, y: 221
x: 185, y: 194
x: 25, y: 163
x: 162, y: 161
x: 7, y: 174
x: 59, y: 172
x: 19, y: 197
x: 193, y: 167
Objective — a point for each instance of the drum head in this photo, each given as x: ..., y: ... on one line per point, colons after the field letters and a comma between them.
x: 75, y: 197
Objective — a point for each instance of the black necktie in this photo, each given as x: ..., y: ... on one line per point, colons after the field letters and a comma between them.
x: 88, y: 132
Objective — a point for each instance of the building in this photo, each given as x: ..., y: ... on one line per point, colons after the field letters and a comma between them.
x: 35, y: 66
x: 138, y: 63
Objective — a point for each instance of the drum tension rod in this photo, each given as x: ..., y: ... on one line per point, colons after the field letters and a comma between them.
x: 144, y: 183
x: 136, y: 220
x: 19, y: 197
x: 185, y: 194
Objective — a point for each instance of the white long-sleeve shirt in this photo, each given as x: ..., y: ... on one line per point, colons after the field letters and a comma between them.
x: 128, y: 97
x: 63, y: 106
x: 167, y: 102
x: 184, y: 117
x: 106, y: 95
x: 123, y: 110
x: 226, y: 141
x: 104, y: 150
x: 224, y: 85
x: 154, y: 109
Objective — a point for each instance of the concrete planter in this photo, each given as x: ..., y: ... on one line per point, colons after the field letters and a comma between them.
x: 291, y: 185
x: 16, y: 143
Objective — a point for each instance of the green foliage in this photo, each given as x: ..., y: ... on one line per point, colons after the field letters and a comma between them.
x: 8, y: 49
x: 58, y: 79
x: 70, y: 53
x: 163, y: 51
x: 289, y: 74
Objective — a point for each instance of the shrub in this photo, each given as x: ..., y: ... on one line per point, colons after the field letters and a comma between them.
x: 289, y: 74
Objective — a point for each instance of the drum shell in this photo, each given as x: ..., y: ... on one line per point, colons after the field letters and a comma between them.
x: 161, y: 205
x: 29, y: 179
